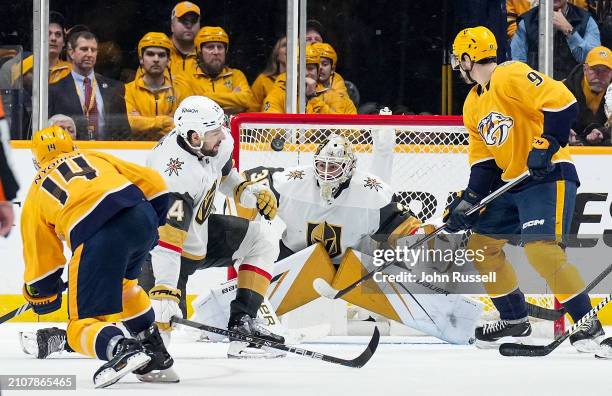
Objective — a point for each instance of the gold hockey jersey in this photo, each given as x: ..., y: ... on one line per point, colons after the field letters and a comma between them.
x: 503, y: 117
x: 71, y: 198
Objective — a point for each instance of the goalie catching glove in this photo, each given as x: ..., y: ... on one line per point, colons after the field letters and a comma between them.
x: 165, y: 300
x: 265, y: 200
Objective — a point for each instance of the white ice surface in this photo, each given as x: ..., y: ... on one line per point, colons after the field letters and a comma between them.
x: 397, y: 368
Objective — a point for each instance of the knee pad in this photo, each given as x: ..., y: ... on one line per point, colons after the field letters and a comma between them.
x: 550, y: 261
x: 493, y: 260
x: 259, y: 246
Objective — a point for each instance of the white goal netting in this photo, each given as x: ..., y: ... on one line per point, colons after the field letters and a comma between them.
x: 429, y: 160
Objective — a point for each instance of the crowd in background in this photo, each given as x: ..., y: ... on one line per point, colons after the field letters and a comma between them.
x: 192, y: 59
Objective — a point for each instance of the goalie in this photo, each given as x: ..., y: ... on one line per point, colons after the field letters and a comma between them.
x: 335, y: 216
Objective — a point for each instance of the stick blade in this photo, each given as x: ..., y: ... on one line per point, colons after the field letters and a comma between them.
x: 512, y: 349
x: 324, y: 289
x: 366, y: 355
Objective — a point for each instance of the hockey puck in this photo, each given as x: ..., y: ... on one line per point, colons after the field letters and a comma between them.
x: 277, y: 144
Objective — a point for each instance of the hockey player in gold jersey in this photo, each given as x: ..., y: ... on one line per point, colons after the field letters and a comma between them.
x: 107, y: 211
x: 519, y: 121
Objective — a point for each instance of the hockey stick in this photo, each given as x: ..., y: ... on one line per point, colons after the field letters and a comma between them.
x: 513, y: 349
x: 15, y: 312
x: 539, y: 312
x: 358, y: 362
x: 429, y: 237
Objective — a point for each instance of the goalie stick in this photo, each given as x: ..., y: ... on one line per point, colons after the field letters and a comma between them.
x: 15, y: 312
x: 435, y: 232
x: 513, y: 349
x: 358, y: 362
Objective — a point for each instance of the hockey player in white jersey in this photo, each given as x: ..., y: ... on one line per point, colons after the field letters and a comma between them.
x: 334, y: 216
x: 195, y: 160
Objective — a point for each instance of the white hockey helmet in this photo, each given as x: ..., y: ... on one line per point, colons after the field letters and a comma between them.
x: 334, y: 164
x: 200, y: 115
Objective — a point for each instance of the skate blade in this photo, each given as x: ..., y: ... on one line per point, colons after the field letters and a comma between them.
x: 110, y: 376
x: 588, y: 346
x: 240, y: 350
x: 160, y: 376
x: 495, y: 344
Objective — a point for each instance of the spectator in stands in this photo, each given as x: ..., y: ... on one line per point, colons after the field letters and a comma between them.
x: 8, y: 181
x: 321, y: 100
x: 327, y: 69
x: 589, y: 83
x: 96, y: 103
x: 213, y: 78
x: 277, y: 64
x: 575, y: 34
x: 73, y: 30
x: 516, y: 8
x: 184, y: 24
x: 153, y: 96
x: 314, y: 31
x: 65, y: 122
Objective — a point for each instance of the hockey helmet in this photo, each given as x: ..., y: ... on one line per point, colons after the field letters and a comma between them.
x: 312, y: 55
x: 326, y: 51
x: 154, y: 39
x: 49, y: 143
x: 334, y: 164
x: 210, y: 34
x: 478, y: 43
x: 198, y: 114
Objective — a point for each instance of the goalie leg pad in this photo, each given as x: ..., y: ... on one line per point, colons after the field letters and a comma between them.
x: 494, y: 260
x: 451, y: 318
x: 292, y: 284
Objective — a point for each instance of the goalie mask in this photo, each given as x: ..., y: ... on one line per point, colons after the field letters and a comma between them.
x: 334, y: 164
x: 198, y: 114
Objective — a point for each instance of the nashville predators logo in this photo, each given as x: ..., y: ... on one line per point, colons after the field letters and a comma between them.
x: 174, y: 166
x: 207, y: 205
x: 495, y: 128
x: 329, y: 235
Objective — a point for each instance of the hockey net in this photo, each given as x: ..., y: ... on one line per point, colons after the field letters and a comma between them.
x: 429, y: 161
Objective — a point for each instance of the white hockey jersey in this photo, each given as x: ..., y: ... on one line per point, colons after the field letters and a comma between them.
x: 363, y: 208
x: 192, y: 183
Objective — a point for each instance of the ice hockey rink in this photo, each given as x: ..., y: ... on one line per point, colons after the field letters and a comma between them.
x: 400, y: 366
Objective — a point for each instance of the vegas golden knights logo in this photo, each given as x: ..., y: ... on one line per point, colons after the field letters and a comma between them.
x: 328, y: 234
x: 495, y: 128
x: 207, y: 204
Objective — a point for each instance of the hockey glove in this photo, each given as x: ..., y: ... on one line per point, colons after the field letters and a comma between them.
x: 265, y: 201
x: 44, y: 304
x: 540, y: 156
x: 455, y: 215
x: 165, y: 300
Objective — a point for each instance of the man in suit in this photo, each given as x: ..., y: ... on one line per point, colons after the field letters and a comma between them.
x: 96, y: 103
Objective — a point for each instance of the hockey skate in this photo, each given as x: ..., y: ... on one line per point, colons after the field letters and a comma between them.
x: 252, y: 327
x: 589, y: 336
x: 605, y: 349
x: 129, y: 355
x: 492, y: 334
x: 159, y: 368
x: 44, y: 342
